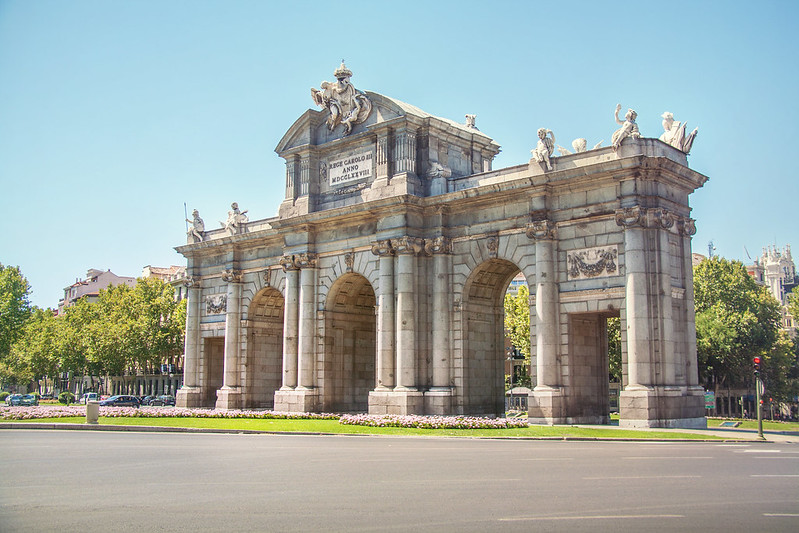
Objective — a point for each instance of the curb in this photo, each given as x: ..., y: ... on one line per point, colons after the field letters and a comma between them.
x: 171, y: 429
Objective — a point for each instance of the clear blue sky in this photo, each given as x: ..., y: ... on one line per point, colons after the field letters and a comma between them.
x: 115, y: 113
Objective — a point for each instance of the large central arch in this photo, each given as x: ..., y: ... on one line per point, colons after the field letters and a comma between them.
x: 348, y: 368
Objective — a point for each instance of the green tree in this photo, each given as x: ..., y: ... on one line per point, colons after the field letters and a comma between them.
x: 614, y: 349
x: 517, y: 328
x: 15, y: 310
x: 36, y: 353
x: 736, y: 319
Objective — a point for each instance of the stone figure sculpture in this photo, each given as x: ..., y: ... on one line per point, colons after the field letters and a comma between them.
x: 628, y: 127
x: 235, y: 219
x: 347, y: 105
x: 545, y: 147
x: 674, y: 133
x: 579, y: 145
x: 470, y: 122
x: 197, y: 228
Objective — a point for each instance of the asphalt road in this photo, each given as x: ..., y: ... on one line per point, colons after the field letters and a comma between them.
x: 109, y: 481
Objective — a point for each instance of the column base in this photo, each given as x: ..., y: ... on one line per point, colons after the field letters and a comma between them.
x: 546, y: 405
x: 189, y: 397
x: 662, y: 407
x: 296, y: 400
x: 229, y: 398
x: 394, y: 402
x: 438, y: 401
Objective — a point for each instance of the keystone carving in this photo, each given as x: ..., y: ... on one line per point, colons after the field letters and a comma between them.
x: 349, y: 260
x: 493, y: 246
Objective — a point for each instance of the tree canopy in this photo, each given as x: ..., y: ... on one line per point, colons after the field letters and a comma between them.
x: 736, y: 319
x: 15, y: 310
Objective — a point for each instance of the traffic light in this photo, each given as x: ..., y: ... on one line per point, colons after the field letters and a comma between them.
x: 756, y: 361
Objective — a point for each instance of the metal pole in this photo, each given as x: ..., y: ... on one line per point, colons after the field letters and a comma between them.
x: 759, y: 409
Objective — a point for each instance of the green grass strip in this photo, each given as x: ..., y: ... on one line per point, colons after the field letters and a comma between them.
x: 333, y: 427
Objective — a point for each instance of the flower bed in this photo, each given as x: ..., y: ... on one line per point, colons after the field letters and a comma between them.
x: 433, y: 422
x: 33, y: 413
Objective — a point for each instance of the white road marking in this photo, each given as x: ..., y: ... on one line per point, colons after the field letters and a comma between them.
x: 641, y: 477
x: 594, y: 517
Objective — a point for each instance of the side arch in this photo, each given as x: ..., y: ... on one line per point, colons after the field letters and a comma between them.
x: 263, y: 351
x: 350, y: 345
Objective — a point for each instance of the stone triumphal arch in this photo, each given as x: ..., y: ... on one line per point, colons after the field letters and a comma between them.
x: 378, y: 286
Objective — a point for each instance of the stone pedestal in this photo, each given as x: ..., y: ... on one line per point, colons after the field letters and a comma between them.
x: 546, y: 405
x: 229, y: 398
x: 662, y: 407
x: 438, y: 401
x: 189, y: 397
x: 393, y: 402
x: 296, y: 400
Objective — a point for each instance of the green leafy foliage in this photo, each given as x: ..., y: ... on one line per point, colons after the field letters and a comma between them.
x: 15, y: 309
x: 736, y: 319
x: 66, y: 398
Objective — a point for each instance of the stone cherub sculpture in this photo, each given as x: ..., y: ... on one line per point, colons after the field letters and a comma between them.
x: 197, y: 228
x: 545, y: 147
x: 674, y: 133
x: 579, y: 145
x: 235, y: 219
x: 628, y: 127
x: 347, y: 105
x: 470, y: 122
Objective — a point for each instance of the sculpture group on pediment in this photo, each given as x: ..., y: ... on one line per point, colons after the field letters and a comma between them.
x: 235, y: 219
x: 545, y: 147
x: 628, y: 127
x: 674, y: 133
x: 347, y: 105
x: 580, y: 145
x: 197, y: 228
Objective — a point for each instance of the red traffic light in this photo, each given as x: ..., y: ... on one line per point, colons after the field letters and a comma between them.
x: 757, y: 360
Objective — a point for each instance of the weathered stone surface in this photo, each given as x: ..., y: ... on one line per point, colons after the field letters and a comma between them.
x: 389, y: 258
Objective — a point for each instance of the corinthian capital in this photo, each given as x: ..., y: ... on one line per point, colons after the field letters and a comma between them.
x: 383, y: 248
x: 687, y: 226
x: 541, y: 230
x: 231, y: 275
x: 191, y: 283
x: 438, y: 245
x: 408, y: 245
x: 306, y: 260
x: 631, y: 216
x: 664, y: 218
x: 287, y: 262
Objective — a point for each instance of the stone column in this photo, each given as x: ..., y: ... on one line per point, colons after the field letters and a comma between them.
x: 687, y: 230
x: 664, y: 221
x: 441, y: 249
x: 407, y: 249
x: 229, y: 396
x: 546, y: 305
x: 190, y: 395
x: 636, y: 298
x: 546, y: 404
x: 291, y: 322
x: 307, y: 325
x: 385, y: 316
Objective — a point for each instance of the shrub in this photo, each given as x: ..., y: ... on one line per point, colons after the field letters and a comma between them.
x: 4, y: 395
x: 66, y: 397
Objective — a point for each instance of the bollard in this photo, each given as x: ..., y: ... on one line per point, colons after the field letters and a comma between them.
x: 92, y: 412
